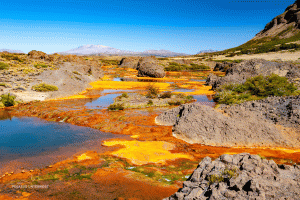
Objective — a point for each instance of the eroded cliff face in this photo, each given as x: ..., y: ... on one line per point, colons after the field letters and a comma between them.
x: 285, y: 25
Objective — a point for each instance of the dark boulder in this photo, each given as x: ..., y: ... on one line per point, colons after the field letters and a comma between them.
x: 129, y: 62
x: 149, y: 67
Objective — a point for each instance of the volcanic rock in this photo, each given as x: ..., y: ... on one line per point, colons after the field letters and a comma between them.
x: 238, y: 73
x: 240, y: 176
x: 195, y: 123
x: 129, y: 62
x: 148, y: 66
x: 287, y: 24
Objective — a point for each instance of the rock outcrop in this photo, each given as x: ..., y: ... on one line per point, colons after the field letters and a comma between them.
x: 37, y: 54
x: 287, y: 24
x: 238, y: 73
x: 129, y: 62
x: 240, y: 176
x: 195, y: 123
x: 148, y: 66
x: 284, y: 111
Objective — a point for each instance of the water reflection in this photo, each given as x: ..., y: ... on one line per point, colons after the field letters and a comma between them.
x: 4, y: 114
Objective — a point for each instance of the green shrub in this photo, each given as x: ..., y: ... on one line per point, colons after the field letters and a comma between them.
x: 152, y: 91
x: 165, y: 95
x: 215, y: 178
x: 116, y: 107
x: 40, y: 65
x: 125, y: 95
x: 189, y: 97
x: 3, y: 66
x: 255, y: 88
x: 175, y: 103
x: 173, y: 66
x: 12, y: 57
x: 43, y: 87
x: 199, y: 67
x: 150, y: 103
x: 8, y: 100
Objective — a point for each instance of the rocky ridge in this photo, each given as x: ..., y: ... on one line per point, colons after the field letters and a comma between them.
x: 289, y: 22
x: 238, y: 73
x: 239, y: 126
x: 240, y: 176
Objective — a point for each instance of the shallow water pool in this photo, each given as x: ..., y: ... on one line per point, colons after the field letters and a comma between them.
x: 30, y: 137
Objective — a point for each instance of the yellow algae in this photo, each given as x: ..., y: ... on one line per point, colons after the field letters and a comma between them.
x: 126, y: 85
x: 196, y: 82
x: 131, y: 70
x: 143, y: 152
x: 83, y: 157
x: 106, y: 77
x: 161, y: 79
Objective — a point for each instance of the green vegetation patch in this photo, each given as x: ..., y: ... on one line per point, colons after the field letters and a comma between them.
x: 152, y: 91
x: 225, y: 176
x: 40, y: 65
x: 116, y: 107
x: 110, y: 62
x: 3, y: 66
x: 8, y: 100
x: 12, y: 57
x: 173, y: 66
x: 256, y: 88
x: 264, y: 45
x: 43, y: 87
x: 165, y: 95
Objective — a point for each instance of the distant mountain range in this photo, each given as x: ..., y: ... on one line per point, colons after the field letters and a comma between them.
x: 11, y: 51
x: 105, y: 50
x: 206, y: 51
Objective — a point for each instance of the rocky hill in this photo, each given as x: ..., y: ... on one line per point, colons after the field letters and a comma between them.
x: 281, y: 34
x: 284, y: 25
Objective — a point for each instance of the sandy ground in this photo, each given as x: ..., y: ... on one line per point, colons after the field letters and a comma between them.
x: 284, y: 56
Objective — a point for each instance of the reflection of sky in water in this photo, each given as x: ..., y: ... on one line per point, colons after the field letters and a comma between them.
x: 27, y: 137
x: 202, y: 98
x: 117, y: 79
x: 198, y: 80
x: 102, y: 102
x: 184, y: 90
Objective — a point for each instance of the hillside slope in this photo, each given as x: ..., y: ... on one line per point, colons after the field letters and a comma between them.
x: 281, y: 34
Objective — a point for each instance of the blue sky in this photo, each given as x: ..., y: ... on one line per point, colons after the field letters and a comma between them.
x: 186, y: 26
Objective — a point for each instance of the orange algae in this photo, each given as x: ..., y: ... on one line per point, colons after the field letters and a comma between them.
x: 143, y: 152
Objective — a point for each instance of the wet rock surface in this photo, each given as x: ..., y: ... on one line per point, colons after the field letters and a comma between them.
x: 240, y: 176
x: 238, y: 73
x: 239, y: 126
x: 149, y: 67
